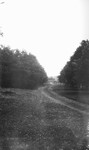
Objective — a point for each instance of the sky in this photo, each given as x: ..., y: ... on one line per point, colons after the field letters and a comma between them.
x: 49, y: 29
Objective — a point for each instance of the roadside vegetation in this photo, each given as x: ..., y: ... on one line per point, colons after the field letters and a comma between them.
x: 75, y: 74
x: 74, y: 77
x: 81, y: 96
x: 31, y: 121
x: 20, y: 70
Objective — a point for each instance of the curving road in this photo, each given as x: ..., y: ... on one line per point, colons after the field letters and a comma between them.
x: 83, y: 108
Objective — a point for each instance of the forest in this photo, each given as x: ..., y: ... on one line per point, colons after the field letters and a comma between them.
x: 75, y: 73
x: 20, y: 70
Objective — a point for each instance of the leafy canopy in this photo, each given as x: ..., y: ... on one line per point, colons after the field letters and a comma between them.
x: 75, y: 73
x: 20, y: 70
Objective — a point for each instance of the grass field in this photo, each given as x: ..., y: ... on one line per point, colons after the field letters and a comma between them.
x: 30, y: 121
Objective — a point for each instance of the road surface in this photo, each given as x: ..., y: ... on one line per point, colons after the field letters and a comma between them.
x: 83, y: 108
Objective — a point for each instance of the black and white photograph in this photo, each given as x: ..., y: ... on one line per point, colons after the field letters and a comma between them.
x: 44, y: 74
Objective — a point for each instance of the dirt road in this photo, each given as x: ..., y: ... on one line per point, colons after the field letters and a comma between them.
x: 82, y: 108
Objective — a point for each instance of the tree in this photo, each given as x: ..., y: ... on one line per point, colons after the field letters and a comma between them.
x: 76, y: 72
x: 20, y: 70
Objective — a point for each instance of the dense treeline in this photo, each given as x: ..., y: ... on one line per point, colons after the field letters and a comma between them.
x: 75, y: 73
x: 20, y: 70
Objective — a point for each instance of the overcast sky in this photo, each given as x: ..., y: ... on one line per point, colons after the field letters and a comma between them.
x: 49, y: 29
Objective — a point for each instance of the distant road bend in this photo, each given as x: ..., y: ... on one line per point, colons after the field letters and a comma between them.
x: 82, y: 108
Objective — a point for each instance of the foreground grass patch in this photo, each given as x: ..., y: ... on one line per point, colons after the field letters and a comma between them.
x: 30, y: 121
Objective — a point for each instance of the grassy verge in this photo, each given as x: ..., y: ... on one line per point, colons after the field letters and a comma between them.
x: 30, y: 121
x: 76, y: 95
